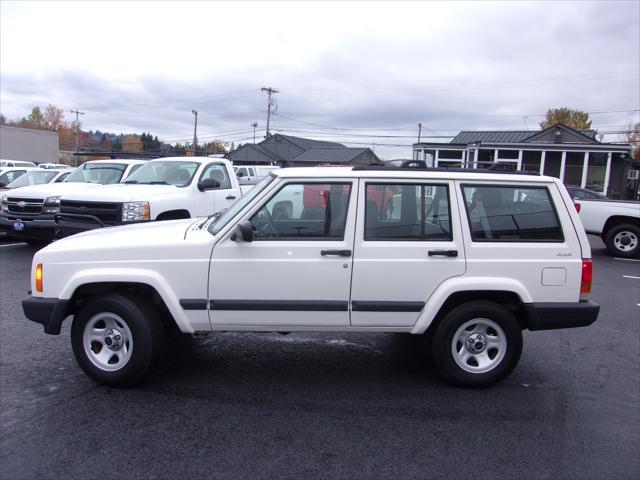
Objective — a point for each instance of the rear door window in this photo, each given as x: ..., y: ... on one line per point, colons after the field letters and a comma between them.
x: 418, y: 212
x: 511, y: 214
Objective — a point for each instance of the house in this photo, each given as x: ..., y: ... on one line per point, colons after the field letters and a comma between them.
x: 573, y: 156
x: 288, y: 151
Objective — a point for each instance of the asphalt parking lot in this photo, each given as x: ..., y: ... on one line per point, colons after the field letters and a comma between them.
x: 325, y: 405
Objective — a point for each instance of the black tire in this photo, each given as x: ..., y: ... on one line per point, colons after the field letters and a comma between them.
x: 505, y: 361
x: 146, y: 332
x: 618, y: 235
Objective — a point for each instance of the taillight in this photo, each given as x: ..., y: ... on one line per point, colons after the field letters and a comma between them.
x: 577, y: 205
x: 39, y: 278
x: 587, y: 276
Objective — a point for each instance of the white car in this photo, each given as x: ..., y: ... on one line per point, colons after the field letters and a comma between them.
x: 55, y: 166
x: 28, y: 213
x: 617, y: 222
x: 163, y: 189
x: 16, y: 163
x: 9, y: 174
x: 472, y: 258
x: 38, y: 177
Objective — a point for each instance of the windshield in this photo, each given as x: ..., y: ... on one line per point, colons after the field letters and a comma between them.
x: 33, y: 178
x: 99, y: 172
x: 223, y: 219
x: 179, y: 174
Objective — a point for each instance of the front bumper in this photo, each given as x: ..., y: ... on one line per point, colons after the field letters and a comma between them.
x: 41, y: 227
x: 550, y: 316
x: 69, y: 224
x: 49, y: 312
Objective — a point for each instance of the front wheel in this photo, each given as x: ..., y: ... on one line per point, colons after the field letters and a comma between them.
x: 623, y: 240
x: 116, y: 340
x: 477, y: 344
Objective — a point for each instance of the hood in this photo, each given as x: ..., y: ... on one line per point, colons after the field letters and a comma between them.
x: 130, y: 237
x: 125, y: 193
x: 51, y: 189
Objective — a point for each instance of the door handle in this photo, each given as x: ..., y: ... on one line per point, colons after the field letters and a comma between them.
x: 339, y: 253
x: 443, y: 253
x: 231, y: 197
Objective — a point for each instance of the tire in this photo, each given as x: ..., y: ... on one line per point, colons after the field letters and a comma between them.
x: 131, y: 328
x: 495, y: 353
x: 623, y: 240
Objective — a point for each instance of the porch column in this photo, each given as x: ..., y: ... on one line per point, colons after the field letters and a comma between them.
x: 562, y: 165
x: 519, y: 160
x: 542, y: 159
x: 436, y: 159
x: 583, y: 182
x: 606, y: 174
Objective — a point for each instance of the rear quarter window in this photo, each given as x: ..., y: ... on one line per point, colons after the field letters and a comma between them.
x: 498, y: 213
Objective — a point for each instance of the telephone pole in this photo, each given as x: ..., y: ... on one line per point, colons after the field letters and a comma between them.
x: 195, y: 128
x: 419, y: 131
x: 254, y: 125
x: 270, y: 91
x: 77, y: 127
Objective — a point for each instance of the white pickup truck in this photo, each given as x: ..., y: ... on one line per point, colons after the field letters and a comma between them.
x: 163, y: 189
x: 617, y: 222
x: 28, y: 213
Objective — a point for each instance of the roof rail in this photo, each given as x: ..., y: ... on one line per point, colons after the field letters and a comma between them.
x: 441, y: 169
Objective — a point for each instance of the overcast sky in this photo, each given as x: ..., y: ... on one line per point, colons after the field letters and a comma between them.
x: 344, y: 70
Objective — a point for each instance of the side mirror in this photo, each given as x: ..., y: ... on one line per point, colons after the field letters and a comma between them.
x: 244, y: 232
x: 208, y: 184
x: 240, y: 174
x: 2, y: 184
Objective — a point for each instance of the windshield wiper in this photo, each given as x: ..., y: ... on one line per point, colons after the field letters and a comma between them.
x: 130, y: 181
x: 215, y: 216
x: 157, y: 182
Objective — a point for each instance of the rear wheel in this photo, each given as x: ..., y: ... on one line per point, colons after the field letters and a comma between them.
x: 116, y: 340
x: 623, y: 240
x: 477, y: 344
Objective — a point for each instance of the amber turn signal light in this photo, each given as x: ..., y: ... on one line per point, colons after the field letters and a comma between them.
x: 39, y: 278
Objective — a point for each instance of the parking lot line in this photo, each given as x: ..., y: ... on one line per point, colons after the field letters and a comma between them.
x: 631, y: 276
x: 12, y: 245
x: 627, y: 259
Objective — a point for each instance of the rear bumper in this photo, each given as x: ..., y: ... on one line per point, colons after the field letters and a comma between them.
x: 49, y: 312
x: 550, y: 316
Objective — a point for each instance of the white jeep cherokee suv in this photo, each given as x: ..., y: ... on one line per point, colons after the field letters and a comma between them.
x: 471, y: 258
x: 163, y: 189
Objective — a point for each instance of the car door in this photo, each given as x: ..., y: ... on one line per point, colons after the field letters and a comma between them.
x: 408, y: 241
x: 297, y: 269
x: 211, y: 201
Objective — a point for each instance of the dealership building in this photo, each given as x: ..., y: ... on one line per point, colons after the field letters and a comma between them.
x: 573, y: 156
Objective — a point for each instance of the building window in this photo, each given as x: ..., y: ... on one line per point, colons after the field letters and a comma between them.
x: 450, y: 154
x: 552, y: 164
x: 485, y: 156
x: 531, y: 161
x: 573, y: 166
x: 596, y: 171
x: 508, y: 154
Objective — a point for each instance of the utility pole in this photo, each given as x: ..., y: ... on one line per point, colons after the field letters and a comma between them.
x: 270, y: 91
x: 77, y: 127
x: 254, y: 125
x: 195, y: 128
x: 419, y: 131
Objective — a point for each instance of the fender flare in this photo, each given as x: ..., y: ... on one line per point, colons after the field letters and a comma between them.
x: 130, y: 275
x: 460, y: 284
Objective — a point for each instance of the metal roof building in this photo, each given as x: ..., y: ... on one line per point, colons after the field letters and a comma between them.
x: 288, y: 151
x: 573, y: 156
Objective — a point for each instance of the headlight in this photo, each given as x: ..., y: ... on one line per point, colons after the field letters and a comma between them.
x: 3, y: 202
x: 135, y: 211
x: 51, y: 205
